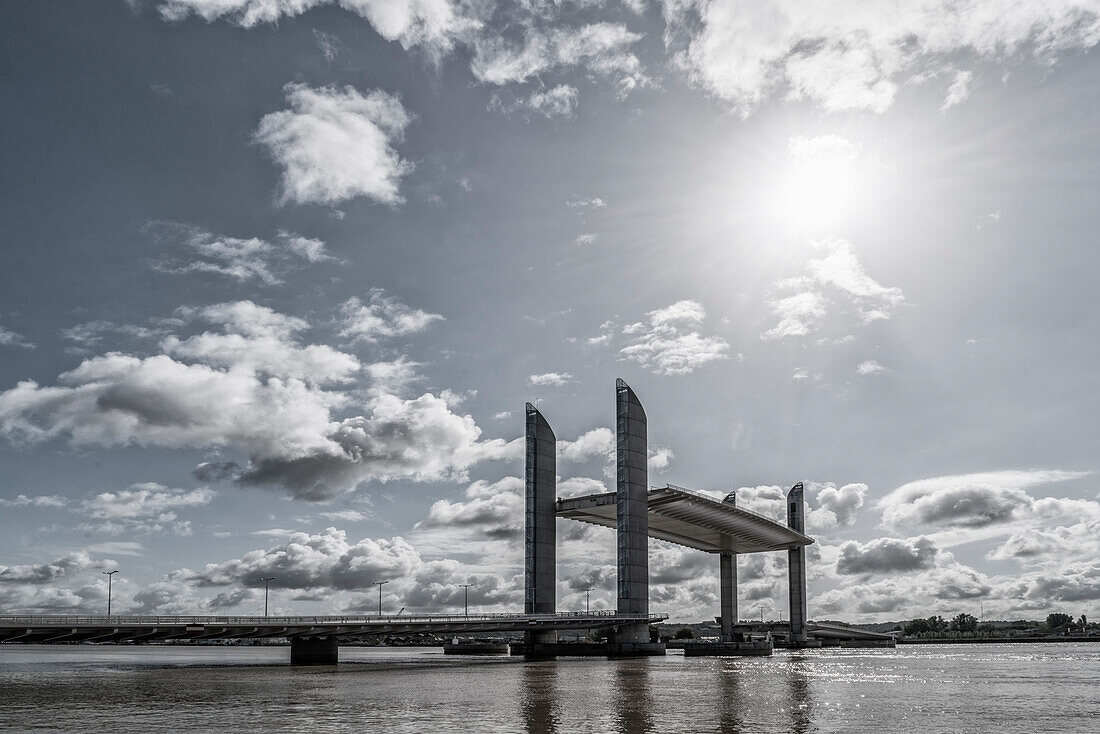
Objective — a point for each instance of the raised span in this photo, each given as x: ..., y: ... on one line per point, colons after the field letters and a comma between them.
x: 691, y: 519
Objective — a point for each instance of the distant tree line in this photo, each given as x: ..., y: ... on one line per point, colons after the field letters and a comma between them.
x: 966, y: 625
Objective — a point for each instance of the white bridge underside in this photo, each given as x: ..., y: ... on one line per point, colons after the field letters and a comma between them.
x: 693, y: 520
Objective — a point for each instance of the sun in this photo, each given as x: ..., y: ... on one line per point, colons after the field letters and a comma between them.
x: 817, y: 188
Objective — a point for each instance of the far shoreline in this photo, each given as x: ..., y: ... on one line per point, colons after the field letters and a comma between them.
x: 992, y: 640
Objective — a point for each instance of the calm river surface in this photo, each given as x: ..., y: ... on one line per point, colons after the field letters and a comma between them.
x: 912, y: 689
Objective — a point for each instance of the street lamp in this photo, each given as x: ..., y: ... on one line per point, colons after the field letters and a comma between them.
x: 266, y: 580
x: 379, y: 585
x: 110, y: 575
x: 587, y: 597
x: 466, y: 589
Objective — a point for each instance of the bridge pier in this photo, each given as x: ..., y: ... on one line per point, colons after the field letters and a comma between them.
x: 632, y: 514
x: 727, y: 566
x: 796, y: 567
x: 314, y: 651
x: 540, y: 530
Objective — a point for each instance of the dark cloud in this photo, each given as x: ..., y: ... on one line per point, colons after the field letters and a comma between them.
x: 45, y: 573
x: 216, y: 471
x: 885, y: 556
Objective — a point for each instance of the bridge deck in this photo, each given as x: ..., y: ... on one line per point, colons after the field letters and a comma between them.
x: 119, y: 628
x: 691, y: 519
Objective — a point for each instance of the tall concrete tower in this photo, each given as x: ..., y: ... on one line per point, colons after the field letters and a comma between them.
x: 539, y: 550
x: 796, y: 565
x: 632, y: 488
x: 727, y: 573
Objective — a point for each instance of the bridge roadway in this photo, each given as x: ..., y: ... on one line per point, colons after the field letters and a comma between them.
x: 306, y: 634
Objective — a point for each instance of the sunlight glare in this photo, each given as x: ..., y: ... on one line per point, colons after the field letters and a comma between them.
x: 818, y: 186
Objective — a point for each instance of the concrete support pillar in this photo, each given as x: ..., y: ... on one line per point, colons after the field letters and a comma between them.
x: 540, y: 539
x: 728, y: 572
x: 632, y: 506
x: 796, y: 566
x: 314, y: 651
x: 632, y: 512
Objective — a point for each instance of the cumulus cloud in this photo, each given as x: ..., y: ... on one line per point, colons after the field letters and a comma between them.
x: 44, y: 573
x: 843, y: 503
x: 800, y: 303
x: 586, y: 238
x: 382, y: 317
x: 1075, y: 582
x: 886, y: 556
x: 580, y: 486
x: 589, y: 204
x: 1039, y: 545
x: 334, y: 145
x: 843, y: 55
x: 972, y: 500
x: 417, y: 439
x: 187, y: 249
x: 432, y: 23
x: 258, y: 339
x: 321, y: 564
x: 668, y: 343
x: 597, y: 442
x: 325, y: 559
x: 550, y: 378
x: 253, y: 387
x: 494, y: 511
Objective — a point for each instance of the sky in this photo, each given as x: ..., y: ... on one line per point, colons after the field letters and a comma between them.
x: 278, y: 277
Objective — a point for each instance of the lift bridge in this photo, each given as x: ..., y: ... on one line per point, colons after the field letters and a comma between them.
x: 636, y: 511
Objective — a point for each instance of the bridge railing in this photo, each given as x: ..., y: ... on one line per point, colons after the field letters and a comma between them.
x: 116, y: 619
x: 738, y: 508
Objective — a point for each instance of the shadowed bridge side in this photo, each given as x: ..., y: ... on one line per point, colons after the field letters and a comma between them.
x: 314, y: 640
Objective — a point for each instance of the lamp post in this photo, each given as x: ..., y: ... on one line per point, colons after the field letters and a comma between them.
x: 267, y: 580
x: 110, y: 575
x: 379, y: 585
x: 466, y: 589
x: 587, y: 597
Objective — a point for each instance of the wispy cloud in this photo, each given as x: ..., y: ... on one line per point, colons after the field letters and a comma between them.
x: 188, y: 249
x: 800, y: 303
x: 9, y: 338
x: 550, y: 378
x: 381, y: 317
x: 554, y: 102
x: 668, y: 342
x: 870, y: 367
x: 590, y: 204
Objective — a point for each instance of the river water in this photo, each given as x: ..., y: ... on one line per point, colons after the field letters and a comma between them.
x: 911, y: 689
